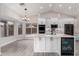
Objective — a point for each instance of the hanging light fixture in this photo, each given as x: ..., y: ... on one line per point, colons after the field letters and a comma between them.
x: 25, y: 17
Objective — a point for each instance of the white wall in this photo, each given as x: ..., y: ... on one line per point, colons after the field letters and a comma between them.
x: 5, y: 11
x: 9, y: 15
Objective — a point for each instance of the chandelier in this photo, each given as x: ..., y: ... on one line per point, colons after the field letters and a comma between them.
x: 25, y: 17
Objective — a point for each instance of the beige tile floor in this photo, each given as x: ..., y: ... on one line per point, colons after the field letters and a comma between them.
x: 18, y: 48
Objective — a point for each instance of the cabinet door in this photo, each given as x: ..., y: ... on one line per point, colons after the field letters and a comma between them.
x: 41, y: 21
x: 36, y: 44
x: 47, y: 44
x: 54, y: 44
x: 42, y: 44
x: 51, y: 44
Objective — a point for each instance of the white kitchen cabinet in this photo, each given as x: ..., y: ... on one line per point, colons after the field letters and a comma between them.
x: 46, y: 44
x: 42, y: 44
x: 39, y: 44
x: 51, y: 44
x: 41, y: 21
x: 55, y: 44
x: 36, y: 44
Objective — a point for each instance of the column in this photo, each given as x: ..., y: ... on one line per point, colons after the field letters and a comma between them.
x: 7, y: 31
x: 16, y: 29
x: 24, y: 29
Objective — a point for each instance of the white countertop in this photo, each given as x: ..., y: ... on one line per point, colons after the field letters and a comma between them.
x: 44, y: 35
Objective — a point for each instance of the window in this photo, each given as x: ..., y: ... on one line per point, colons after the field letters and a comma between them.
x: 20, y: 29
x: 10, y: 28
x: 28, y: 30
x: 34, y: 30
x: 3, y: 28
x: 6, y: 28
x: 31, y: 28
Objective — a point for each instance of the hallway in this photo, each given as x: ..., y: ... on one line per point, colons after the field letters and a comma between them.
x: 19, y: 48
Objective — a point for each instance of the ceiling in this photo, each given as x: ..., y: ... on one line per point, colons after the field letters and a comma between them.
x: 71, y: 9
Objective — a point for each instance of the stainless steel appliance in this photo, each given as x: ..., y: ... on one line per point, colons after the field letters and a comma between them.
x: 67, y: 46
x: 41, y: 29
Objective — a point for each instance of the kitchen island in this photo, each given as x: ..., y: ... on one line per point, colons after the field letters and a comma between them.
x: 49, y: 43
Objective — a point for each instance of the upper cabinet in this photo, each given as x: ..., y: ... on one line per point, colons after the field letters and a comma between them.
x: 56, y: 25
x: 41, y: 21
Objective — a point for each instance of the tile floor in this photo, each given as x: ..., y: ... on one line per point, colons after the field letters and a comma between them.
x: 22, y: 48
x: 25, y: 48
x: 18, y: 48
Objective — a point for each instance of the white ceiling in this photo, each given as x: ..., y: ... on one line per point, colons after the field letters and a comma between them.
x: 71, y: 9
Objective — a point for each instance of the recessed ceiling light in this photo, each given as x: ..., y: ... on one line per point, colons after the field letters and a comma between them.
x: 50, y: 5
x: 41, y: 7
x: 60, y: 5
x: 69, y: 7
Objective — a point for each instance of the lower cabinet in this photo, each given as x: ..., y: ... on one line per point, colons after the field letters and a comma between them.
x: 42, y: 44
x: 47, y: 44
x: 53, y: 45
x: 39, y: 44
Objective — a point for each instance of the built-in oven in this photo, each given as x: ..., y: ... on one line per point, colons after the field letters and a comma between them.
x: 67, y: 46
x: 41, y: 29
